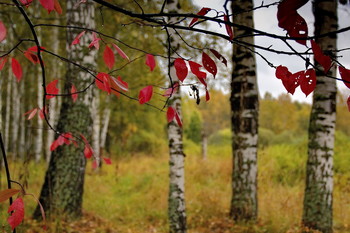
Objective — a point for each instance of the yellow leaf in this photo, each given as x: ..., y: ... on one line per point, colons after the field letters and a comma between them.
x: 7, y: 193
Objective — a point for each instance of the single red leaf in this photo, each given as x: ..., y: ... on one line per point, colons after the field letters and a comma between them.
x: 57, y: 7
x: 178, y: 119
x: 195, y: 70
x: 308, y: 81
x: 120, y: 52
x: 118, y: 84
x: 3, y: 31
x: 49, y: 5
x: 323, y: 60
x: 291, y: 82
x: 108, y: 161
x: 77, y: 38
x: 150, y: 61
x: 31, y: 113
x: 170, y: 114
x: 202, y: 12
x: 219, y: 56
x: 41, y: 113
x: 58, y: 142
x: 207, y: 95
x: 108, y: 57
x: 17, y: 213
x: 95, y: 41
x: 228, y: 27
x: 84, y: 139
x: 145, y: 94
x: 73, y: 91
x: 94, y: 164
x: 2, y: 62
x: 345, y: 76
x: 32, y: 57
x: 348, y: 103
x: 51, y: 89
x: 282, y: 72
x: 88, y: 152
x: 169, y: 92
x: 35, y: 49
x: 16, y: 69
x: 209, y: 64
x: 102, y: 82
x: 26, y: 2
x: 181, y: 68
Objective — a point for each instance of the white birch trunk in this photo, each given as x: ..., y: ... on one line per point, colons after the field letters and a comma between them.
x: 39, y: 132
x: 318, y: 199
x: 244, y: 107
x: 96, y: 126
x: 22, y: 144
x: 176, y: 201
x: 105, y: 123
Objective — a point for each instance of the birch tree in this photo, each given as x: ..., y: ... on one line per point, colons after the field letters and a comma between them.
x: 62, y: 191
x: 318, y: 199
x: 176, y: 200
x: 244, y: 118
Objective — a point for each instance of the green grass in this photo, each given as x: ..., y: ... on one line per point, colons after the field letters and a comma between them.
x: 131, y: 194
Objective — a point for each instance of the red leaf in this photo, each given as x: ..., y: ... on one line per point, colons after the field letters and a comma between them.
x: 84, y: 139
x: 3, y: 31
x: 120, y: 52
x: 170, y: 114
x: 207, y: 95
x: 2, y: 62
x: 322, y: 59
x: 209, y: 64
x: 291, y: 82
x: 77, y: 38
x: 181, y: 68
x: 57, y: 7
x: 88, y: 152
x: 145, y: 94
x: 26, y: 2
x: 228, y: 27
x: 178, y: 119
x: 51, y: 89
x: 282, y: 72
x: 49, y: 5
x: 169, y: 92
x: 31, y: 57
x: 102, y: 82
x: 195, y: 70
x: 118, y: 84
x: 348, y: 103
x: 108, y: 57
x: 95, y: 41
x: 219, y: 56
x: 31, y: 113
x: 35, y: 49
x: 345, y: 75
x: 202, y: 12
x: 16, y: 69
x: 290, y: 20
x: 17, y: 213
x: 150, y: 61
x: 41, y: 113
x: 73, y: 91
x: 108, y: 161
x: 94, y: 164
x: 308, y: 81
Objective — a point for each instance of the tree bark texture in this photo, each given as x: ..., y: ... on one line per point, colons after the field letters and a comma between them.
x: 318, y: 199
x: 244, y: 113
x: 176, y: 200
x: 62, y: 192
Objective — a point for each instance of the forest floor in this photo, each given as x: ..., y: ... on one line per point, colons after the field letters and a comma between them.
x: 131, y: 195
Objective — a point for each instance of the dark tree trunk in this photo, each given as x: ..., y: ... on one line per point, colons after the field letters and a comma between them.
x: 62, y: 192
